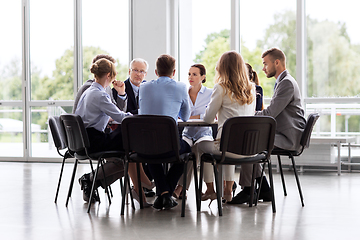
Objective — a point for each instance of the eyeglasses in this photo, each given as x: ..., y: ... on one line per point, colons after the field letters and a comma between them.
x: 138, y: 71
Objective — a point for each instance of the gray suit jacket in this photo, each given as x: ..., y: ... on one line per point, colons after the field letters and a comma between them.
x: 285, y: 107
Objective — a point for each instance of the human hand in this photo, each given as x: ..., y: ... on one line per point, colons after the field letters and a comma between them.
x: 119, y: 86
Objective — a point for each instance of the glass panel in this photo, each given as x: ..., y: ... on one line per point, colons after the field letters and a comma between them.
x: 113, y: 39
x: 333, y: 49
x: 11, y: 132
x: 271, y: 25
x: 10, y: 50
x: 210, y: 34
x: 42, y: 144
x: 51, y: 47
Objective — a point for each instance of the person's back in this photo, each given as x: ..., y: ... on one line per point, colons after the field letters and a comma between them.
x: 164, y: 96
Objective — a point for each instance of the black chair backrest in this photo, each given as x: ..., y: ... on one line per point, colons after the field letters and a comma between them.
x: 76, y: 136
x: 57, y: 132
x: 150, y: 135
x: 248, y: 135
x: 305, y: 138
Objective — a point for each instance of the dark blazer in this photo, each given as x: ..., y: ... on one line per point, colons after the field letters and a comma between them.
x: 259, y: 98
x: 131, y: 104
x: 285, y: 106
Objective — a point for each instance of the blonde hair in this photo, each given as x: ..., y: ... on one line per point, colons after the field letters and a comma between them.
x: 102, y: 67
x: 231, y: 74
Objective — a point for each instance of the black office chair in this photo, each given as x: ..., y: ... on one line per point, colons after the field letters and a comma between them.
x: 304, y: 142
x: 58, y: 135
x: 253, y: 136
x: 78, y: 142
x: 153, y: 136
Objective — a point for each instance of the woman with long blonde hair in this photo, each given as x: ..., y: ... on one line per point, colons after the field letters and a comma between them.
x: 233, y: 95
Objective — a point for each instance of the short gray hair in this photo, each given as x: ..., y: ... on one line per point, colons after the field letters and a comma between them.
x: 140, y: 60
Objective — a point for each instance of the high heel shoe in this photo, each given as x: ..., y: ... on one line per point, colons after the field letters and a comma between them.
x: 144, y: 185
x: 234, y: 186
x: 227, y: 197
x: 207, y: 196
x: 137, y: 198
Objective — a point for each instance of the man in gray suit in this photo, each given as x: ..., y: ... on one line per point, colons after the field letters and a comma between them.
x: 285, y: 107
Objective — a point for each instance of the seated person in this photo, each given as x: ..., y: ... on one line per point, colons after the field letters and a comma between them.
x: 96, y: 108
x: 199, y: 98
x: 165, y: 96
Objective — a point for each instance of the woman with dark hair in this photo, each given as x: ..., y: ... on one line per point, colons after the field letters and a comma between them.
x: 259, y: 91
x: 199, y: 98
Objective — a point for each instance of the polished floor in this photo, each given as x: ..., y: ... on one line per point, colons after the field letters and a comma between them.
x: 28, y: 211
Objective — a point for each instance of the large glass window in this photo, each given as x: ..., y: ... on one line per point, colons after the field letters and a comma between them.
x: 52, y: 49
x: 333, y: 49
x: 106, y: 31
x: 210, y: 34
x: 11, y: 124
x: 263, y: 25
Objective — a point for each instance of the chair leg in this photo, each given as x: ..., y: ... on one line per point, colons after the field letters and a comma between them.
x: 261, y: 179
x: 139, y: 185
x: 126, y: 180
x: 282, y: 175
x: 271, y: 186
x: 200, y: 183
x: 106, y: 185
x: 297, y: 181
x: 184, y: 189
x: 93, y: 185
x: 252, y: 191
x: 58, y: 186
x: 196, y: 182
x: 218, y: 194
x: 71, y: 182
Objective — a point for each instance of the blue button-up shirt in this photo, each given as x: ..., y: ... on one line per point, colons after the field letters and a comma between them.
x: 95, y: 108
x: 164, y: 96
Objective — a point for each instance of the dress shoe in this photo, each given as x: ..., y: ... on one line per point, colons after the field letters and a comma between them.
x: 265, y: 196
x: 148, y: 192
x: 164, y: 201
x: 241, y: 197
x: 137, y: 198
x: 86, y: 185
x: 158, y: 203
x: 168, y: 201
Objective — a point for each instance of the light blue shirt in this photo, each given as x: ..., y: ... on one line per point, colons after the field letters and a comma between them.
x: 95, y: 108
x: 135, y: 89
x: 201, y: 102
x: 164, y: 96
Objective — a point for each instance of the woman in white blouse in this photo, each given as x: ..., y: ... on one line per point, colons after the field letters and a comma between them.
x: 233, y: 95
x: 199, y: 98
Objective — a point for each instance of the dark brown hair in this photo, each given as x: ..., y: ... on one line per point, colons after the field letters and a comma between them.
x: 252, y: 75
x: 102, y: 67
x: 99, y: 56
x: 202, y: 70
x: 275, y: 53
x: 165, y: 65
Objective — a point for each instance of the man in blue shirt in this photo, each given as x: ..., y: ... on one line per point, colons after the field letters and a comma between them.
x: 165, y: 96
